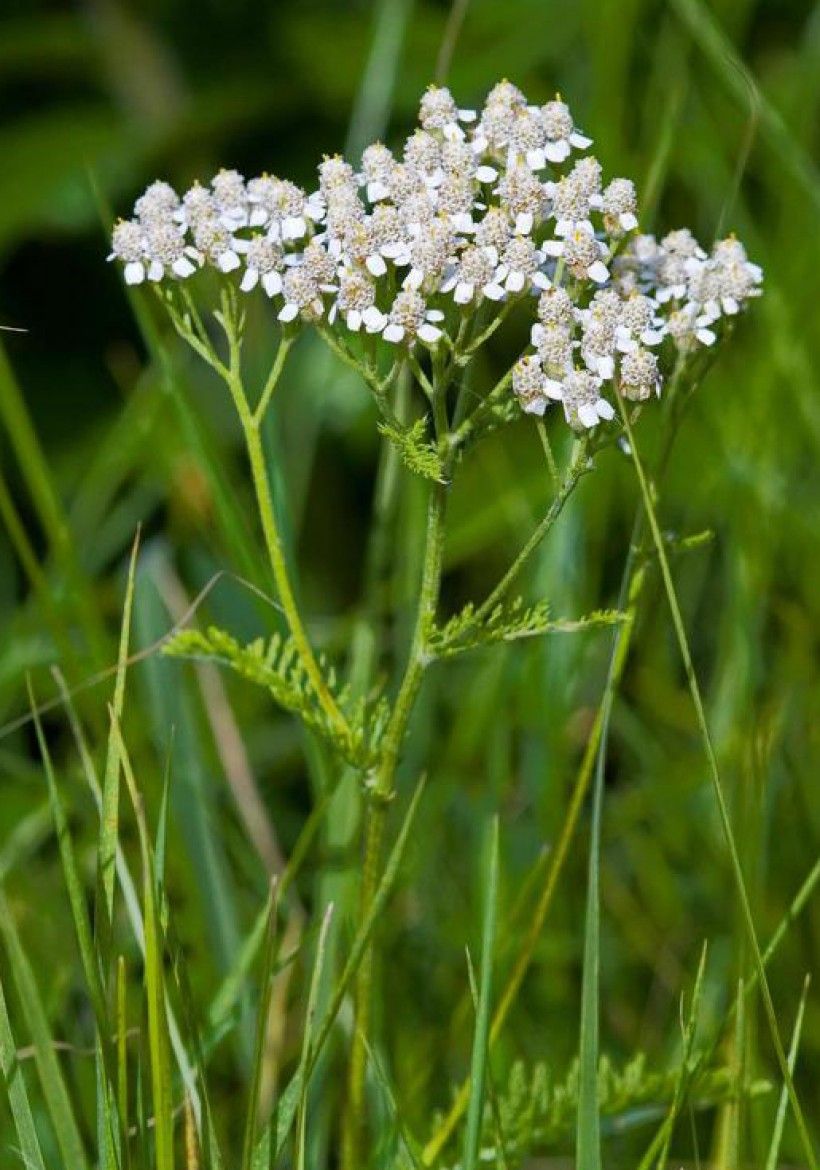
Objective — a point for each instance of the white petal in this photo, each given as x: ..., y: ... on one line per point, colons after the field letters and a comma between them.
x: 523, y: 223
x: 486, y: 174
x: 706, y: 336
x: 272, y: 283
x: 249, y: 280
x: 435, y: 315
x: 414, y: 278
x: 628, y: 221
x: 554, y: 389
x: 289, y: 312
x: 553, y: 247
x: 429, y: 333
x: 557, y: 151
x: 294, y: 227
x: 580, y: 140
x: 464, y: 292
x: 134, y: 272
x: 452, y: 131
x: 354, y: 320
x: 332, y: 312
x: 598, y: 272
x: 652, y: 336
x: 540, y: 280
x: 462, y: 222
x: 604, y: 409
x: 376, y: 264
x: 228, y: 261
x: 183, y: 267
x: 537, y: 333
x: 259, y: 217
x: 374, y: 320
x: 393, y: 333
x: 730, y: 306
x: 606, y: 367
x: 493, y: 291
x: 376, y: 191
x: 536, y: 160
x: 588, y: 415
x: 534, y: 406
x: 155, y: 271
x: 515, y: 281
x: 467, y: 115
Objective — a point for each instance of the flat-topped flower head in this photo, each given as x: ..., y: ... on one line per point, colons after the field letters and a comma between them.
x: 466, y: 215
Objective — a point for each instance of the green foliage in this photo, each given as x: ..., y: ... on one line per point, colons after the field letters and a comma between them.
x: 417, y: 454
x: 275, y: 665
x: 538, y: 1108
x: 468, y: 630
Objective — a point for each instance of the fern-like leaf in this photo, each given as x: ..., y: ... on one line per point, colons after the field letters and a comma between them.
x: 418, y: 454
x: 510, y: 623
x: 275, y: 665
x: 537, y: 1111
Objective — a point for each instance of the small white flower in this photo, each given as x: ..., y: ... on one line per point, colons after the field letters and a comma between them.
x: 561, y: 134
x: 409, y: 319
x: 128, y: 245
x: 584, y: 407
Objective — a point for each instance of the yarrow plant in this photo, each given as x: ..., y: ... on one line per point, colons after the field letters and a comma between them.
x: 405, y: 264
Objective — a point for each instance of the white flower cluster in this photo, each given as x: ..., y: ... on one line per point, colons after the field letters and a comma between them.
x: 480, y: 209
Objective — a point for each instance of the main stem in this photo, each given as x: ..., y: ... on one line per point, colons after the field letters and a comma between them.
x: 381, y: 792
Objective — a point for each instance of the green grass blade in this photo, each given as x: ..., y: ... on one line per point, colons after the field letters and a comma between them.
x: 73, y: 882
x: 783, y: 1103
x: 266, y: 986
x: 481, y: 1034
x: 48, y: 1068
x: 373, y: 101
x: 717, y: 786
x: 110, y: 815
x: 688, y: 1029
x: 307, y: 1038
x: 289, y: 1101
x: 17, y: 1093
x: 588, y: 1132
x: 122, y: 1058
x: 129, y: 890
x: 158, y: 1041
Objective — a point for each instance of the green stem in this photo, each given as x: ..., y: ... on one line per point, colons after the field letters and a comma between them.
x: 382, y: 791
x: 251, y: 424
x: 723, y: 810
x: 579, y: 465
x: 273, y: 380
x: 278, y: 563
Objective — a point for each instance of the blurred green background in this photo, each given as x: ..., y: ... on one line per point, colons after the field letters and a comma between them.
x: 713, y: 109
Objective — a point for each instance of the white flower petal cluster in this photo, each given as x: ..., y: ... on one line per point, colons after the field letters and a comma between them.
x: 480, y: 208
